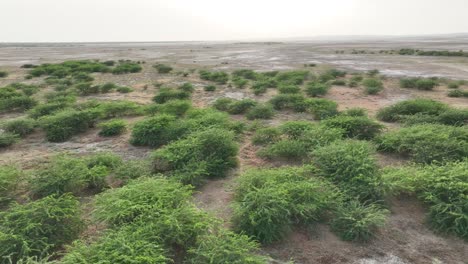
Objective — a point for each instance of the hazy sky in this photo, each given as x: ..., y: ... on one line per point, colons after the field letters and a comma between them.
x: 158, y: 20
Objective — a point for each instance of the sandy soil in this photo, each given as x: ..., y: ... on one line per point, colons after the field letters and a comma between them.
x: 406, y: 239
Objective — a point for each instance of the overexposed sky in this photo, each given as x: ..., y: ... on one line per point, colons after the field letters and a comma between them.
x: 176, y: 20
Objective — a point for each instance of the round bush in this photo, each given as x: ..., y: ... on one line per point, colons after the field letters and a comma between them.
x: 209, y: 88
x: 359, y: 127
x: 112, y: 128
x: 262, y: 111
x: 21, y: 127
x: 315, y: 89
x: 357, y: 222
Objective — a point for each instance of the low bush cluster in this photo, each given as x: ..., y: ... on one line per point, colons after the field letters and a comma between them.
x: 442, y: 187
x: 171, y: 107
x: 7, y: 139
x: 10, y: 177
x: 358, y: 222
x: 13, y: 99
x: 418, y: 83
x: 234, y: 107
x: 112, y: 127
x: 352, y: 167
x: 167, y: 94
x: 295, y: 139
x: 162, y: 68
x: 210, y: 153
x: 218, y: 77
x: 63, y: 125
x: 21, y: 127
x: 372, y: 85
x: 401, y: 109
x: 315, y: 89
x: 126, y: 66
x: 162, y: 129
x: 37, y: 228
x: 261, y: 111
x: 359, y: 127
x: 269, y: 202
x: 151, y: 221
x: 427, y: 143
x: 457, y: 93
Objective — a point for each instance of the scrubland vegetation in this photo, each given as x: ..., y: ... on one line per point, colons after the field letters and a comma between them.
x: 321, y: 169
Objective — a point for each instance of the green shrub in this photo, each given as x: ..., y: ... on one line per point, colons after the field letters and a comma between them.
x: 353, y: 84
x: 107, y: 87
x: 119, y: 108
x: 64, y: 174
x: 292, y: 77
x: 142, y: 198
x: 301, y: 138
x: 27, y: 89
x: 296, y: 129
x: 295, y: 102
x: 261, y: 111
x: 163, y: 68
x: 289, y: 89
x: 21, y: 127
x: 321, y: 108
x: 187, y: 87
x: 16, y: 103
x: 105, y: 159
x: 411, y: 107
x: 372, y: 86
x: 408, y: 82
x: 351, y: 166
x: 172, y: 107
x: 239, y: 82
x: 218, y: 77
x: 82, y: 77
x: 132, y: 169
x: 268, y: 202
x: 359, y: 127
x: 425, y: 84
x: 167, y: 94
x: 3, y: 74
x: 457, y: 93
x: 442, y: 187
x: 291, y: 149
x: 10, y: 177
x: 38, y: 228
x: 126, y: 67
x: 315, y: 89
x: 336, y: 73
x: 124, y: 89
x: 453, y: 85
x: 240, y: 106
x: 63, y: 125
x: 338, y: 82
x: 358, y: 222
x: 373, y: 90
x: 453, y: 117
x: 245, y: 73
x: 426, y: 143
x: 119, y: 246
x: 66, y: 68
x: 357, y: 111
x: 419, y: 83
x: 152, y: 131
x: 266, y: 135
x: 7, y: 139
x: 86, y: 88
x: 209, y: 153
x: 112, y: 127
x: 224, y: 247
x: 46, y: 109
x: 209, y: 88
x: 357, y: 78
x: 223, y: 103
